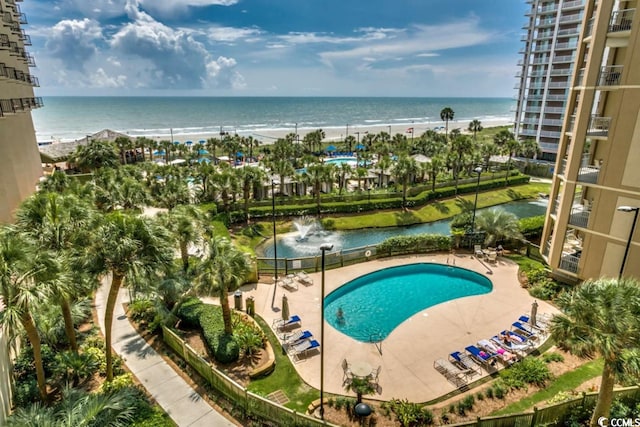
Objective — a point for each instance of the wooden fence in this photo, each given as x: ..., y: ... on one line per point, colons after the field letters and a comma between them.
x: 251, y: 404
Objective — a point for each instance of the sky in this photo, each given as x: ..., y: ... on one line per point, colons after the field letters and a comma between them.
x: 462, y: 48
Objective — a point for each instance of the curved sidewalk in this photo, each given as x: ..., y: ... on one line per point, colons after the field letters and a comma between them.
x: 183, y: 404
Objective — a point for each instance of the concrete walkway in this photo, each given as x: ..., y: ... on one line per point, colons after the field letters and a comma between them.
x: 183, y: 404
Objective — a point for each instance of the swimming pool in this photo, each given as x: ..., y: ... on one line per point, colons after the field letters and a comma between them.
x: 351, y: 161
x: 375, y: 304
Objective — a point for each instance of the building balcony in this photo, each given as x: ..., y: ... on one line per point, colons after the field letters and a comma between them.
x: 568, y: 32
x: 548, y: 147
x: 554, y: 110
x: 588, y: 174
x: 570, y: 262
x: 621, y: 20
x: 26, y: 39
x: 22, y: 19
x: 4, y: 41
x: 572, y: 4
x: 575, y: 17
x: 550, y: 134
x: 563, y: 58
x: 566, y: 45
x: 563, y: 167
x: 579, y: 216
x: 554, y: 206
x: 31, y: 62
x: 561, y: 71
x: 599, y: 126
x: 610, y: 75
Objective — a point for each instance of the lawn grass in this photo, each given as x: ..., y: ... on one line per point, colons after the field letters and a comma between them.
x: 439, y: 209
x: 525, y: 263
x: 565, y: 382
x: 284, y: 377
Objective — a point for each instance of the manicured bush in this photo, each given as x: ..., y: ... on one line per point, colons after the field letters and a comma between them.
x: 552, y: 357
x: 531, y: 370
x: 531, y: 227
x: 546, y: 290
x: 209, y: 318
x: 418, y: 243
x: 499, y: 389
x: 410, y: 414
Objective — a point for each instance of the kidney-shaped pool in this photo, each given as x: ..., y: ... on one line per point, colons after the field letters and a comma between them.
x: 370, y: 307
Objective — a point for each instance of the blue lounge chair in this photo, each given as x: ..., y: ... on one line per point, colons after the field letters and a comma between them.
x: 487, y: 360
x: 522, y: 349
x: 516, y: 337
x: 302, y: 348
x: 527, y: 330
x: 464, y: 361
x: 291, y: 321
x: 540, y: 325
x: 297, y: 337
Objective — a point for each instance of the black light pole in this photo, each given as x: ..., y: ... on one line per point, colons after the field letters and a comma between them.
x: 275, y: 243
x: 633, y: 226
x: 324, y: 248
x: 477, y: 170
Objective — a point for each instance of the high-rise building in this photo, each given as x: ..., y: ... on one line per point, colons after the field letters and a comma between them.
x: 20, y: 165
x: 550, y: 43
x: 591, y: 229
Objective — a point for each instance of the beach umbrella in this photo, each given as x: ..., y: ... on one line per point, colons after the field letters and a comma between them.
x: 176, y: 142
x: 359, y: 147
x: 240, y: 154
x: 159, y: 153
x: 189, y: 142
x: 202, y: 142
x: 534, y: 313
x: 331, y: 148
x: 285, y: 307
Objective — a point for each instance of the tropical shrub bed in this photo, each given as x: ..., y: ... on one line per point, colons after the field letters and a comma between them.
x: 531, y: 228
x: 224, y: 348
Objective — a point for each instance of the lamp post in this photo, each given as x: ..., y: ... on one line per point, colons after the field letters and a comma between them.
x: 477, y: 170
x: 635, y: 210
x: 324, y: 248
x: 275, y: 243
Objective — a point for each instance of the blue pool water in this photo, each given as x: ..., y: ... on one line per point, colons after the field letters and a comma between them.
x: 376, y: 303
x: 340, y: 160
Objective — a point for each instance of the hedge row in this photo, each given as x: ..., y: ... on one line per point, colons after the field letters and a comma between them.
x: 209, y: 318
x: 375, y: 204
x: 531, y: 227
x: 417, y: 243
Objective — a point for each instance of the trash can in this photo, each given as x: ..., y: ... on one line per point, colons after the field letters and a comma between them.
x: 251, y: 306
x: 237, y: 300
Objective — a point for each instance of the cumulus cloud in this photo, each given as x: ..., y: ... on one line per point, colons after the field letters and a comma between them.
x: 176, y: 59
x: 165, y: 7
x: 102, y: 80
x: 74, y: 41
x: 231, y: 34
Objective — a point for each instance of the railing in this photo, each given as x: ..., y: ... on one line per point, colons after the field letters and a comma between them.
x: 566, y: 45
x: 563, y: 58
x: 17, y: 105
x: 599, y: 126
x: 569, y: 32
x: 621, y: 20
x: 571, y: 4
x: 610, y: 75
x: 249, y: 403
x: 579, y: 217
x: 561, y: 72
x: 589, y: 174
x: 576, y: 17
x: 569, y: 263
x: 554, y: 206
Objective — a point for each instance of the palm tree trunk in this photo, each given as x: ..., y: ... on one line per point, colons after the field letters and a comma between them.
x: 68, y: 324
x: 605, y: 396
x: 226, y: 310
x: 404, y: 195
x: 34, y: 339
x: 116, y: 282
x: 184, y: 254
x: 506, y: 178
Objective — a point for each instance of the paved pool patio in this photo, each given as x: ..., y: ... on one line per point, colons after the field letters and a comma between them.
x: 408, y: 353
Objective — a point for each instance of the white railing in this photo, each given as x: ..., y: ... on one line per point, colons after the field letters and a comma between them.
x: 621, y: 20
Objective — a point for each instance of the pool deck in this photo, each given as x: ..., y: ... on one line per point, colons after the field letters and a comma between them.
x: 408, y: 353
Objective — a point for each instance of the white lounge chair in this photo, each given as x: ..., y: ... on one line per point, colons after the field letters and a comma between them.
x: 451, y: 372
x: 304, y: 278
x: 288, y: 283
x: 477, y: 250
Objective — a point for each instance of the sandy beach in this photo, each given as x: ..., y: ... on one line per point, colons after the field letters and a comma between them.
x: 268, y: 136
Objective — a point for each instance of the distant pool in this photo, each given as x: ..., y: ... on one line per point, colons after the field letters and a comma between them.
x: 340, y: 160
x: 377, y: 303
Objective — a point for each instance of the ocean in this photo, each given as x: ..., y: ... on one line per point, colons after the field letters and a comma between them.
x: 69, y: 118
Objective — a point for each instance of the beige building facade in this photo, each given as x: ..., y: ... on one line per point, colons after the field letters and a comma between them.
x: 20, y: 166
x: 596, y: 186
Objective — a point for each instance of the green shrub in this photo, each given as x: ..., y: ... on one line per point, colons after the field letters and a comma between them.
x: 480, y: 396
x: 410, y: 414
x: 209, y: 318
x: 531, y: 370
x: 416, y: 243
x: 536, y: 275
x: 142, y: 310
x: 531, y: 227
x: 462, y: 220
x: 552, y: 357
x: 546, y: 290
x: 469, y: 401
x: 499, y: 389
x: 119, y: 382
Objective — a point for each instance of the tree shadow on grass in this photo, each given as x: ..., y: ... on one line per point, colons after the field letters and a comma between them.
x: 441, y: 207
x: 465, y: 205
x: 513, y: 194
x: 407, y: 218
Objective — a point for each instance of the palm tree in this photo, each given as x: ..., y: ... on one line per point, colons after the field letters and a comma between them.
x: 404, y: 170
x: 58, y: 223
x: 601, y: 316
x: 437, y: 165
x: 25, y: 273
x: 446, y: 114
x: 224, y: 268
x: 460, y: 145
x: 344, y: 171
x: 123, y: 143
x: 127, y: 247
x: 506, y: 142
x: 316, y: 175
x: 79, y: 408
x: 498, y: 225
x: 96, y: 154
x: 187, y: 224
x: 249, y: 178
x: 475, y: 126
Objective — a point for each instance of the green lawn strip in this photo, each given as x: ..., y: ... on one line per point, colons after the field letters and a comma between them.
x: 438, y: 210
x: 565, y: 382
x: 219, y: 229
x: 284, y: 377
x: 525, y: 262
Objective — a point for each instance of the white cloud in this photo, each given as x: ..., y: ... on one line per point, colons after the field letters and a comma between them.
x: 175, y: 59
x: 313, y: 37
x: 74, y: 41
x: 231, y: 34
x: 100, y: 79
